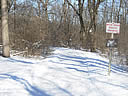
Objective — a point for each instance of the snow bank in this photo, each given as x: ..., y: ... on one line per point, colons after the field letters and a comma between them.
x: 67, y: 72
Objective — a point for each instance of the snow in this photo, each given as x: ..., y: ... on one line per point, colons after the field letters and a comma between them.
x: 67, y: 72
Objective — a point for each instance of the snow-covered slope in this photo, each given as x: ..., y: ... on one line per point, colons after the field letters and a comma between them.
x: 66, y: 72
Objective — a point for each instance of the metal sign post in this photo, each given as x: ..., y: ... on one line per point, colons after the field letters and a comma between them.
x: 110, y: 61
x: 110, y: 56
x: 112, y: 35
x: 113, y: 28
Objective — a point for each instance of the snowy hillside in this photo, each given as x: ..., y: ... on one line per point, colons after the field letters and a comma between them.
x: 66, y: 72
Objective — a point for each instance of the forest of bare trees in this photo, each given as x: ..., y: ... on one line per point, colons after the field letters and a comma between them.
x: 36, y: 25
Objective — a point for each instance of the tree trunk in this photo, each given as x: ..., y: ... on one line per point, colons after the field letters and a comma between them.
x: 82, y: 29
x: 79, y: 12
x: 39, y: 8
x: 5, y: 34
x: 118, y: 13
x: 93, y: 11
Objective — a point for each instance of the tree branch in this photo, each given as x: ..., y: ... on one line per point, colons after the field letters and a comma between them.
x: 73, y: 7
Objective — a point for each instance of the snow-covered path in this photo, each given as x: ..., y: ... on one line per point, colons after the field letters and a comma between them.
x: 66, y: 72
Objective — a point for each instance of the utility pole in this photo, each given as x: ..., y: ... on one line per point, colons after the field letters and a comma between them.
x: 5, y: 33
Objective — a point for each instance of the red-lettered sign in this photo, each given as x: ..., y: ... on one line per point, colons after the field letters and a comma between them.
x: 113, y: 28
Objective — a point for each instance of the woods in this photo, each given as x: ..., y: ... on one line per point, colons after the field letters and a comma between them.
x: 36, y: 25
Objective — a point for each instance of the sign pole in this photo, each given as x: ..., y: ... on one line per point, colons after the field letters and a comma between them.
x: 112, y: 35
x: 110, y: 56
x: 113, y: 28
x: 110, y: 61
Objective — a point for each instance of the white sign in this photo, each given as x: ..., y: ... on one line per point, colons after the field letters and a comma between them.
x: 113, y: 28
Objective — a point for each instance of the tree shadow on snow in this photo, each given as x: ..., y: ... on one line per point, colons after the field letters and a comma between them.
x: 87, y: 62
x: 84, y: 64
x: 20, y: 61
x: 93, y: 60
x: 33, y: 90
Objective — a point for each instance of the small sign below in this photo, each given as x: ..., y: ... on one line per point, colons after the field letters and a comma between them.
x: 112, y: 43
x: 113, y: 28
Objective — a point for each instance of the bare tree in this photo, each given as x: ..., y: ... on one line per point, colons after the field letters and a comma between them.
x: 5, y: 34
x: 93, y: 6
x: 118, y: 12
x: 79, y: 12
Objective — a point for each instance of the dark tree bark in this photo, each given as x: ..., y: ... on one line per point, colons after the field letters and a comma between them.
x: 79, y: 12
x: 93, y: 6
